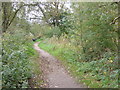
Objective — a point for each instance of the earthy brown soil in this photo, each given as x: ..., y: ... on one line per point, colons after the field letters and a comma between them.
x: 54, y: 73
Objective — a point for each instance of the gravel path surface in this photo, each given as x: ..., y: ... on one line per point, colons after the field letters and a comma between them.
x: 54, y: 73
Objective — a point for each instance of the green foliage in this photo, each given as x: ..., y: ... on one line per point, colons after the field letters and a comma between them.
x: 53, y: 32
x: 36, y: 30
x: 19, y: 59
x: 15, y: 60
x: 92, y: 30
x: 83, y: 39
x: 66, y: 23
x: 95, y: 74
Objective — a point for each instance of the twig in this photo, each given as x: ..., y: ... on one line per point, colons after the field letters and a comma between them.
x: 114, y: 20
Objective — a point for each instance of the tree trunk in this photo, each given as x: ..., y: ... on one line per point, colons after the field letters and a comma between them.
x: 4, y: 16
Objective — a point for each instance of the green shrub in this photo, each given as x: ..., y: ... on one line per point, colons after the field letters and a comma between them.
x: 15, y: 58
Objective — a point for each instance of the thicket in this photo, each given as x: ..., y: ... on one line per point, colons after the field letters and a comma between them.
x: 18, y: 56
x: 97, y: 35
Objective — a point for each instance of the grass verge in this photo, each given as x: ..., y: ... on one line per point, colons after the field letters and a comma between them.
x: 36, y: 80
x: 94, y: 74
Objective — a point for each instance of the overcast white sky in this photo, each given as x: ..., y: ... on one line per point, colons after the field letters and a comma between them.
x: 31, y: 14
x: 62, y: 0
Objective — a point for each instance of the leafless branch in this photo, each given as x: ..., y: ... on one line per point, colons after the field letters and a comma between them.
x: 35, y: 18
x: 114, y: 20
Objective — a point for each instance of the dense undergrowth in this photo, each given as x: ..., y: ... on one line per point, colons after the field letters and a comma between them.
x: 99, y: 73
x: 18, y: 59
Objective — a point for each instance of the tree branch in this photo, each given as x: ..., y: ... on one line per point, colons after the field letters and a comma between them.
x: 35, y: 18
x: 14, y: 15
x: 42, y: 10
x: 18, y: 10
x: 114, y: 20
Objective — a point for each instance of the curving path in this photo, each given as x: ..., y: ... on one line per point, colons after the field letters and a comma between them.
x: 54, y: 73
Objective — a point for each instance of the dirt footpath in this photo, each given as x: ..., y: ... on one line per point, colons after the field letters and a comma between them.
x: 54, y: 73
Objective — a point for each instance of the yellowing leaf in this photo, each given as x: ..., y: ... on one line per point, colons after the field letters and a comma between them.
x: 111, y: 61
